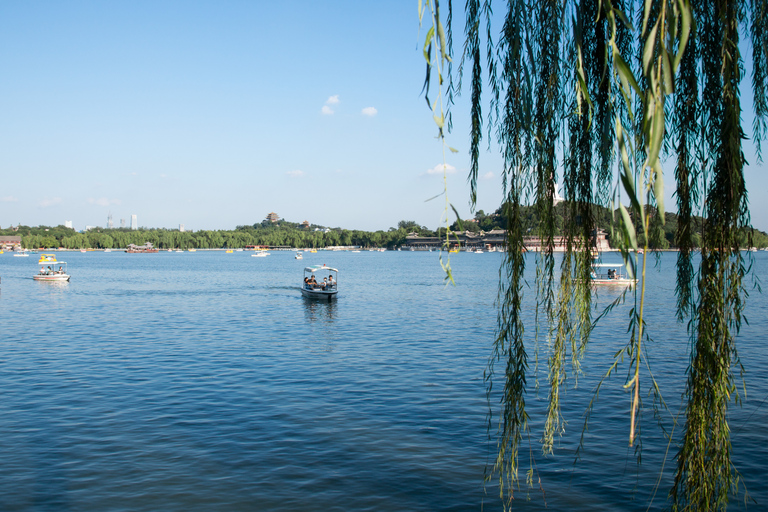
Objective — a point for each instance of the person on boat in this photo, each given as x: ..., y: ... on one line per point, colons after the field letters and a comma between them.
x: 306, y: 284
x: 611, y: 273
x: 313, y: 281
x: 50, y: 270
x: 331, y: 282
x: 42, y: 271
x: 324, y: 284
x: 61, y: 269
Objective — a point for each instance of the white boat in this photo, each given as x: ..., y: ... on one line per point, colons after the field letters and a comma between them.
x: 319, y: 282
x: 260, y: 254
x: 107, y: 250
x: 49, y: 270
x: 299, y: 256
x: 21, y: 254
x: 610, y: 273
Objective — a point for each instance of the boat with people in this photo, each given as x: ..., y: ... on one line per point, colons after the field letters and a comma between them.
x: 260, y: 254
x: 51, y: 272
x: 21, y: 254
x: 610, y: 273
x: 299, y: 256
x: 320, y: 282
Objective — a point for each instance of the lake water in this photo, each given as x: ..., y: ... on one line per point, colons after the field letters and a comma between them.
x: 204, y: 381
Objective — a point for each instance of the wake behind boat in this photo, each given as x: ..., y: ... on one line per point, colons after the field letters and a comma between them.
x: 319, y: 282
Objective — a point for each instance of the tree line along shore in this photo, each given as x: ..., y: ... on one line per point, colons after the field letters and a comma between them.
x: 283, y: 233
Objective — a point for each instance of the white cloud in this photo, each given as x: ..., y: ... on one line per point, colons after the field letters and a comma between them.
x: 53, y: 201
x: 438, y: 169
x: 295, y: 174
x: 487, y: 176
x: 103, y: 201
x: 9, y: 199
x: 370, y: 111
x: 332, y: 100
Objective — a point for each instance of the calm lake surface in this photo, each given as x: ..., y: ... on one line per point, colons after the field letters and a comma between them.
x: 204, y: 381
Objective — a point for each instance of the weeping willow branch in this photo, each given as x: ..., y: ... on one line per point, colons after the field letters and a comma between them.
x: 577, y: 81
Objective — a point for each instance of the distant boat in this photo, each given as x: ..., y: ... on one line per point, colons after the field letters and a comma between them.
x: 21, y: 254
x: 107, y: 250
x: 229, y: 251
x: 191, y: 249
x: 609, y: 273
x: 299, y: 256
x: 260, y: 254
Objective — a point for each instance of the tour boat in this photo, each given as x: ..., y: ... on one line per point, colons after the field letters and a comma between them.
x: 260, y: 254
x: 318, y: 290
x: 21, y: 254
x: 50, y: 272
x: 610, y: 273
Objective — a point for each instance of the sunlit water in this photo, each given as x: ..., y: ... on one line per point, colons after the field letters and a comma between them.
x: 204, y: 381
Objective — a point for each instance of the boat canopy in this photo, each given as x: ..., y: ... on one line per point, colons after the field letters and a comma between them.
x: 605, y: 265
x: 315, y: 268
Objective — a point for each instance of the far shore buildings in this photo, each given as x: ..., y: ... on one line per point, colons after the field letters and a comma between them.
x: 273, y: 217
x: 493, y: 239
x: 134, y: 222
x: 10, y: 243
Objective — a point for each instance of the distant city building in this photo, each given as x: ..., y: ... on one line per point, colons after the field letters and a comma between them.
x: 181, y: 228
x: 109, y: 221
x: 68, y: 224
x: 134, y: 222
x: 122, y: 223
x: 273, y: 217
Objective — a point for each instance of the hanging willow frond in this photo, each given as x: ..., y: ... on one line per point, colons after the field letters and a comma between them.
x: 576, y: 81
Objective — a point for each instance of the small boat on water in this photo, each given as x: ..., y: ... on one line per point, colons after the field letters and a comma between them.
x: 299, y: 256
x: 319, y: 282
x: 260, y: 254
x: 51, y: 272
x: 229, y: 251
x: 21, y: 254
x: 610, y: 273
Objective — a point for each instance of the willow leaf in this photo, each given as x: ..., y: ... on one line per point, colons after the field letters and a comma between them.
x: 658, y: 190
x: 628, y: 226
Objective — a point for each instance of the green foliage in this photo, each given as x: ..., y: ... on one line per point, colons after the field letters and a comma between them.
x: 617, y: 102
x: 278, y: 234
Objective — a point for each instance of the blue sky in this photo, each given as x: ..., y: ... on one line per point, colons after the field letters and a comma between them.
x: 213, y: 114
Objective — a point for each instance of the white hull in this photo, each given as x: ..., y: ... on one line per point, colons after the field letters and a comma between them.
x: 319, y: 294
x: 54, y: 277
x: 619, y: 281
